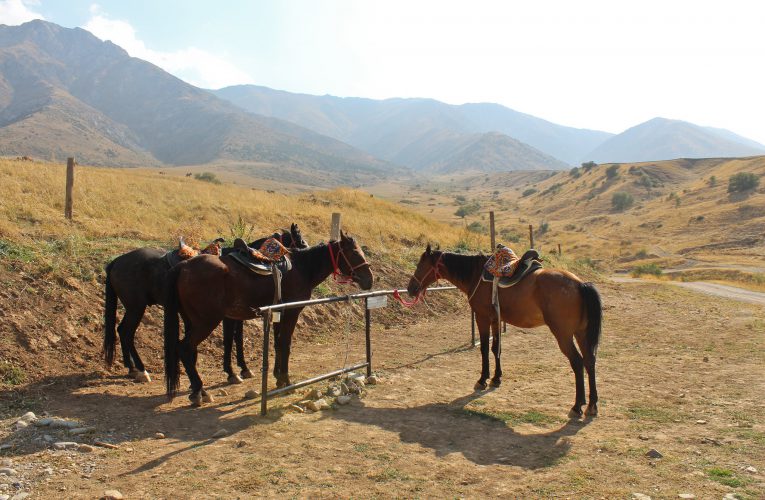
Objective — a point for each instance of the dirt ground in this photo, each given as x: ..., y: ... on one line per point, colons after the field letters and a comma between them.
x: 678, y: 371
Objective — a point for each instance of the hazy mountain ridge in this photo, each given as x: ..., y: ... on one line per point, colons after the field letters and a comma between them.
x: 65, y: 90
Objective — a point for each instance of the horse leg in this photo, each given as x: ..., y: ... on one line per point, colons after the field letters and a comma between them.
x: 589, y: 365
x: 229, y: 332
x: 483, y: 323
x: 286, y: 327
x: 567, y: 347
x: 496, y: 381
x: 239, y: 339
x: 187, y: 350
x: 126, y: 330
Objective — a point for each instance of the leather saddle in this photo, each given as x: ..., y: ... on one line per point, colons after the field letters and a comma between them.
x: 528, y: 263
x: 255, y: 261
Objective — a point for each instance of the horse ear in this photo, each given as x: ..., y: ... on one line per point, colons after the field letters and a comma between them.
x: 343, y: 235
x: 240, y: 244
x: 427, y: 249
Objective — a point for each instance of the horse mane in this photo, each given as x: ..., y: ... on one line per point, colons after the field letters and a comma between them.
x: 464, y: 267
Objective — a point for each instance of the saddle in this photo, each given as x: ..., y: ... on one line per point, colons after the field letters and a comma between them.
x: 185, y: 252
x: 518, y: 268
x: 260, y: 261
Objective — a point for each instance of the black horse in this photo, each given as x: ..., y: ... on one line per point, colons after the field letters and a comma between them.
x: 137, y: 279
x: 206, y: 290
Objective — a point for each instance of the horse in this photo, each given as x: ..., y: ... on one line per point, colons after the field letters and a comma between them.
x: 137, y: 279
x: 233, y: 330
x: 206, y: 290
x: 570, y: 307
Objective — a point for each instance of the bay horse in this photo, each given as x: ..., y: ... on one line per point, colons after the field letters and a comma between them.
x: 570, y: 308
x: 205, y: 290
x: 137, y: 279
x: 233, y: 330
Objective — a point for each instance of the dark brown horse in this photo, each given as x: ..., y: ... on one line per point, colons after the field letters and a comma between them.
x: 570, y: 307
x: 137, y: 279
x: 205, y: 290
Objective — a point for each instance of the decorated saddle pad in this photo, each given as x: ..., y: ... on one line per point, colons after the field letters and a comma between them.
x: 503, y: 263
x: 521, y: 267
x: 260, y: 260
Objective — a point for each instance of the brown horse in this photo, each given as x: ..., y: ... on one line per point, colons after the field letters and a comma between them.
x: 570, y: 307
x: 204, y: 290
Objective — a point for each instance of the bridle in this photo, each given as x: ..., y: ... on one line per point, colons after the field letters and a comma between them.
x: 337, y: 273
x: 422, y: 291
x: 293, y: 243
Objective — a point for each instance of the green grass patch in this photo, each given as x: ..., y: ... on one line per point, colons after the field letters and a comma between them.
x: 513, y: 418
x: 652, y: 269
x: 11, y: 374
x: 389, y: 474
x: 724, y: 476
x: 650, y: 413
x: 12, y: 251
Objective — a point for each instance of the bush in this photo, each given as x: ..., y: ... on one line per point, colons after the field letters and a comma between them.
x: 712, y: 181
x: 743, y: 181
x: 469, y: 209
x: 622, y: 201
x: 509, y: 235
x: 11, y: 374
x: 529, y: 192
x: 587, y: 166
x: 652, y: 269
x: 575, y: 173
x: 612, y: 172
x: 207, y: 177
x: 543, y: 228
x: 476, y: 227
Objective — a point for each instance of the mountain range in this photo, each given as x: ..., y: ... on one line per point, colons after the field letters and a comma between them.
x: 64, y: 92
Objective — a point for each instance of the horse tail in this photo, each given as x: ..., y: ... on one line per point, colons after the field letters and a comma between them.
x: 594, y: 310
x: 171, y: 327
x: 110, y: 317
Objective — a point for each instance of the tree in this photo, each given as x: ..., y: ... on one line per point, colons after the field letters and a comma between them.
x: 622, y: 201
x: 743, y: 181
x: 612, y: 172
x: 589, y: 165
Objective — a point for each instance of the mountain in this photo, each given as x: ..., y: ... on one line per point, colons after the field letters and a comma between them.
x: 394, y: 128
x: 662, y: 139
x: 65, y: 92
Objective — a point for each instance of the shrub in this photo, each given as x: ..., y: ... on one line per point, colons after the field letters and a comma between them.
x: 743, y: 181
x: 575, y: 173
x: 587, y: 166
x: 554, y: 189
x: 207, y: 177
x: 622, y: 201
x: 529, y: 192
x: 469, y: 209
x: 11, y: 374
x: 460, y: 199
x: 712, y: 181
x: 509, y: 235
x: 652, y: 269
x: 612, y: 172
x: 475, y: 227
x: 543, y: 228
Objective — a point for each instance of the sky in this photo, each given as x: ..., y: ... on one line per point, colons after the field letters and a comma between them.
x: 606, y: 65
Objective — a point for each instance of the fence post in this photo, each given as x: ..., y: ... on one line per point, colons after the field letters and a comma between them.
x: 264, y: 374
x: 472, y: 327
x: 559, y: 252
x: 531, y: 235
x: 368, y: 331
x: 69, y: 187
x: 492, y: 232
x: 334, y: 232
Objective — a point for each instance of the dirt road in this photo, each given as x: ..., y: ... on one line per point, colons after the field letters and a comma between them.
x: 727, y: 291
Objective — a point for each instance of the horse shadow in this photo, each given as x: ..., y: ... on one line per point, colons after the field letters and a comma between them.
x: 449, y: 428
x: 120, y: 419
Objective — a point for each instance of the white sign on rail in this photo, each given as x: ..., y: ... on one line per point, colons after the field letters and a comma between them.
x: 377, y: 302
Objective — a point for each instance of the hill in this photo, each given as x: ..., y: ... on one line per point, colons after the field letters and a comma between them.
x: 663, y: 139
x: 64, y: 92
x: 399, y: 129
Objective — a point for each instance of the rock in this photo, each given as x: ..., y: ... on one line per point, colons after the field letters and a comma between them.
x: 359, y: 382
x: 317, y: 405
x: 66, y: 424
x: 4, y: 497
x: 5, y: 447
x: 112, y: 495
x: 159, y: 435
x: 343, y: 388
x: 343, y: 400
x: 334, y: 391
x: 653, y: 453
x: 372, y: 380
x: 21, y: 495
x: 687, y: 496
x: 353, y: 388
x: 6, y: 462
x: 28, y: 417
x: 315, y: 394
x: 220, y: 433
x: 731, y: 496
x: 643, y: 437
x: 44, y: 422
x: 297, y: 408
x: 7, y: 471
x: 640, y: 496
x: 701, y: 422
x: 81, y: 430
x: 241, y: 444
x: 751, y: 470
x: 65, y: 445
x: 221, y: 392
x: 708, y: 440
x: 251, y: 394
x: 85, y: 448
x: 103, y: 444
x: 20, y: 425
x: 706, y: 359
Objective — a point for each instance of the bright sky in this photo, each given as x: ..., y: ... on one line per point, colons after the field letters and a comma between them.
x: 605, y: 65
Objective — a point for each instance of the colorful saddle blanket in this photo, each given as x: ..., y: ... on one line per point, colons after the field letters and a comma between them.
x: 260, y: 260
x: 508, y: 269
x: 185, y: 252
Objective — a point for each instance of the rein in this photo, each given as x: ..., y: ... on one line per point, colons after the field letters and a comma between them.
x: 337, y: 273
x: 420, y: 296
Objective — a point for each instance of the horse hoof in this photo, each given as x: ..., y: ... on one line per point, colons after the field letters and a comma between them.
x: 575, y: 413
x: 132, y: 373
x: 196, y: 399
x: 143, y: 377
x: 495, y: 382
x: 234, y: 379
x: 206, y: 398
x: 246, y: 373
x: 591, y: 411
x: 480, y: 386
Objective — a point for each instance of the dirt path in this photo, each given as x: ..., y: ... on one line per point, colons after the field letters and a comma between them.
x: 677, y: 373
x: 727, y: 291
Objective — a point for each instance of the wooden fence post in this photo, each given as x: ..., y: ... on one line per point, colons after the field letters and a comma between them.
x: 69, y: 187
x: 559, y: 252
x: 491, y: 230
x: 531, y: 235
x: 334, y: 232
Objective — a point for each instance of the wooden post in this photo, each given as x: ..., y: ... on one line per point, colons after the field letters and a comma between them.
x: 69, y: 187
x: 559, y: 252
x: 334, y: 232
x: 491, y: 229
x: 531, y: 235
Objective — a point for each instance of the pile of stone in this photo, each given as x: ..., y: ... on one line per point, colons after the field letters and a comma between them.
x: 338, y: 393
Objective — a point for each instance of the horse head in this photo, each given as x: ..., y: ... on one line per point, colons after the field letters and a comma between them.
x: 427, y: 272
x: 353, y: 263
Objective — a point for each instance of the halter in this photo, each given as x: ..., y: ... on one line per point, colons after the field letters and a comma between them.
x: 293, y: 244
x: 423, y: 291
x: 337, y: 273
